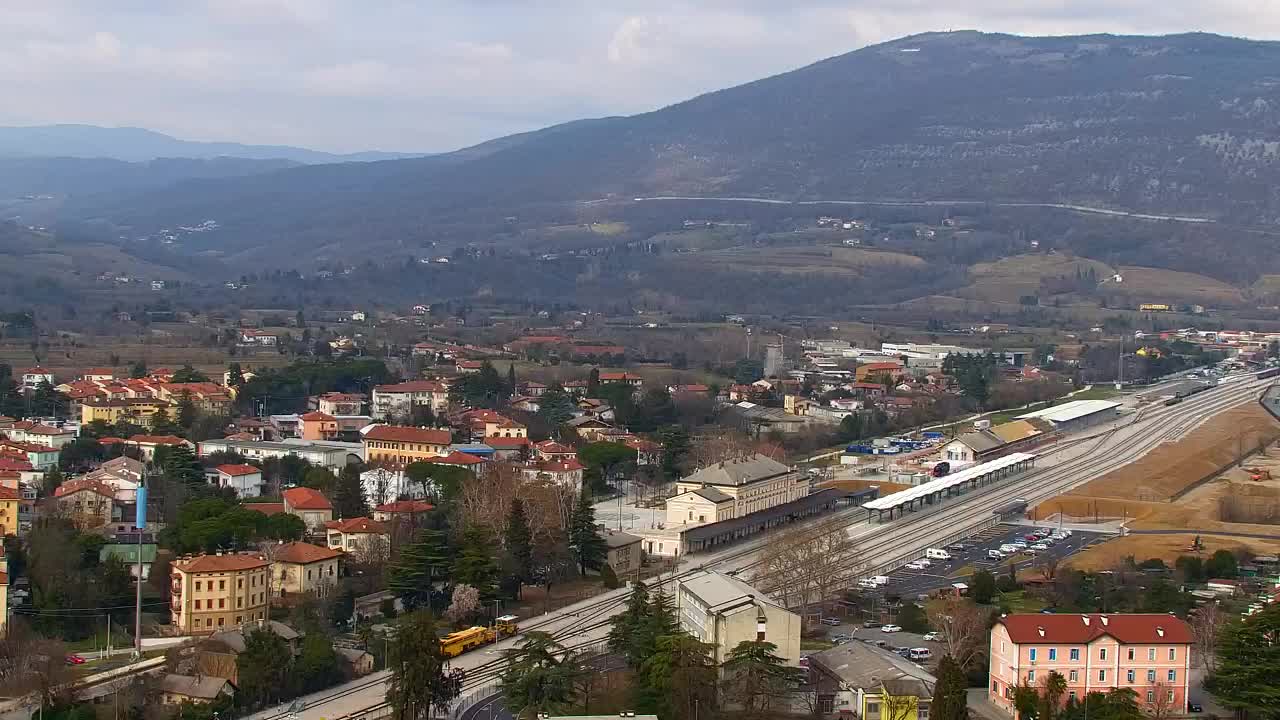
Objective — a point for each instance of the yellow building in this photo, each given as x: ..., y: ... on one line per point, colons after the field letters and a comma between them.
x: 397, y: 445
x: 212, y: 592
x: 139, y: 411
x: 298, y: 568
x: 10, y: 498
x: 734, y: 488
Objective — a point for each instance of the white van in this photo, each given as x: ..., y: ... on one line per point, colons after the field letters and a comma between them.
x: 995, y: 554
x: 880, y: 579
x: 919, y: 654
x: 937, y: 554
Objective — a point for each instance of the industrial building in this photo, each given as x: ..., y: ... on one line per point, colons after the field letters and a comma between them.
x: 1076, y: 415
x: 992, y: 441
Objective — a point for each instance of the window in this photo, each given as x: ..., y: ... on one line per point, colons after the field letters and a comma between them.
x: 1053, y: 653
x: 1102, y: 676
x: 1170, y: 696
x: 1002, y: 646
x: 1032, y: 654
x: 1151, y: 676
x: 1031, y: 677
x: 222, y: 584
x: 1073, y: 676
x: 1071, y: 695
x: 1173, y: 676
x: 197, y: 586
x: 1075, y: 653
x: 238, y: 618
x: 222, y: 602
x: 1132, y: 652
x: 240, y: 584
x: 1130, y: 676
x: 995, y: 686
x: 1102, y: 653
x: 873, y: 708
x: 208, y: 622
x: 1173, y: 654
x: 221, y: 622
x: 1151, y: 696
x: 1151, y: 654
x: 197, y: 604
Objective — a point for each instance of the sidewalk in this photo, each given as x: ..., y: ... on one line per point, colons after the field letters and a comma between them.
x: 982, y: 708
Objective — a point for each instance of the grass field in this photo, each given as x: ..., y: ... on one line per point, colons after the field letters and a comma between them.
x: 68, y: 358
x: 1146, y: 284
x: 834, y: 260
x: 1013, y: 277
x: 1107, y: 555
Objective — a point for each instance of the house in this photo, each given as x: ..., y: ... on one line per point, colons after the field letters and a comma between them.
x: 38, y: 434
x: 401, y: 511
x: 625, y: 553
x: 468, y: 367
x: 526, y: 404
x: 41, y: 457
x: 317, y: 425
x: 216, y: 654
x: 330, y: 454
x: 336, y: 403
x: 986, y: 443
x: 398, y: 445
x: 359, y: 536
x: 621, y: 377
x: 246, y: 480
x: 259, y: 338
x: 552, y: 450
x: 148, y: 444
x: 1147, y: 653
x: 98, y: 375
x: 530, y: 388
x: 198, y: 689
x: 359, y: 662
x: 397, y: 402
x: 10, y: 499
x: 214, y: 592
x: 505, y: 428
x: 734, y: 488
x: 861, y: 680
x: 508, y: 448
x: 138, y: 411
x: 127, y: 553
x: 308, y: 504
x: 299, y: 568
x: 567, y: 473
x: 894, y: 369
x: 85, y: 501
x: 470, y: 462
x: 588, y: 428
x: 723, y: 611
x: 32, y: 378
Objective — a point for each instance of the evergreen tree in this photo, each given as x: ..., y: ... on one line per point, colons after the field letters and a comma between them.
x: 263, y: 668
x: 556, y: 407
x: 1247, y: 655
x: 519, y: 543
x: 52, y: 479
x: 630, y: 626
x: 755, y: 676
x: 138, y: 370
x: 593, y: 383
x: 949, y: 699
x: 47, y: 402
x: 419, y: 566
x: 681, y: 677
x: 511, y: 378
x: 181, y: 466
x: 12, y: 404
x: 235, y: 375
x: 541, y: 676
x: 675, y: 448
x: 186, y: 411
x: 348, y: 493
x: 420, y: 681
x: 588, y: 547
x: 475, y: 564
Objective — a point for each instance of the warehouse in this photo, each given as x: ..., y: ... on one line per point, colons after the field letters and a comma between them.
x: 1076, y: 415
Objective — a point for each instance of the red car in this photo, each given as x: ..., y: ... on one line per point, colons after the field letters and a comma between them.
x: 75, y: 660
x: 1031, y: 538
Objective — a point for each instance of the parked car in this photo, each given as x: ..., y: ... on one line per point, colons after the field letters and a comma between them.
x: 920, y: 654
x: 995, y: 554
x: 871, y: 624
x: 1032, y: 537
x: 890, y: 628
x: 924, y: 562
x: 75, y: 660
x: 841, y: 638
x: 914, y: 565
x: 931, y: 637
x: 1195, y: 708
x: 1040, y: 546
x: 830, y: 621
x: 1029, y: 551
x: 958, y: 547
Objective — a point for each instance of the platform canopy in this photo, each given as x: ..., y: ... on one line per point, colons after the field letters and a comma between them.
x: 947, y: 482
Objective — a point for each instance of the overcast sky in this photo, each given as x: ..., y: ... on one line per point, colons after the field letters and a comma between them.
x: 432, y: 75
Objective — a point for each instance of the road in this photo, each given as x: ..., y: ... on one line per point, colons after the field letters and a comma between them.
x: 883, y: 546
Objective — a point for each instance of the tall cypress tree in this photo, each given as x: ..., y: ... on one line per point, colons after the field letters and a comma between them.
x: 519, y: 542
x: 949, y: 702
x: 589, y: 549
x: 348, y: 493
x: 627, y: 633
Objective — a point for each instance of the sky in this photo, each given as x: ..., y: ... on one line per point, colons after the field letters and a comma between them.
x: 435, y: 75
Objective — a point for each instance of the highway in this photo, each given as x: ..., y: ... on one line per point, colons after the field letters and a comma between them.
x: 881, y: 546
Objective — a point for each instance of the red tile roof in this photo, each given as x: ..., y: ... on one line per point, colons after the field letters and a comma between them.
x: 357, y: 526
x: 304, y: 498
x: 8, y: 493
x: 220, y: 563
x: 235, y: 470
x: 157, y: 440
x: 1130, y: 629
x: 317, y: 416
x: 501, y: 443
x: 551, y: 447
x: 456, y: 458
x: 266, y: 508
x: 301, y: 553
x: 412, y: 386
x: 71, y: 487
x: 400, y: 433
x: 558, y: 466
x: 406, y: 507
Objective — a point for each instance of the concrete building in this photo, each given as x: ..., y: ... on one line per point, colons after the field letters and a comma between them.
x: 213, y: 592
x: 332, y: 455
x: 336, y: 403
x: 861, y: 680
x: 722, y: 610
x: 773, y: 363
x: 1076, y: 415
x: 138, y: 411
x: 625, y: 554
x: 1147, y: 653
x: 734, y: 488
x: 396, y: 402
x: 309, y: 504
x: 359, y: 536
x: 298, y: 568
x: 245, y: 480
x: 398, y: 446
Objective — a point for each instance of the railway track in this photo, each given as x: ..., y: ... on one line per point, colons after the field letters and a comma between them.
x: 963, y: 515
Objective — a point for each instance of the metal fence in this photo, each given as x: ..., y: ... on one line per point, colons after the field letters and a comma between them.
x: 473, y: 698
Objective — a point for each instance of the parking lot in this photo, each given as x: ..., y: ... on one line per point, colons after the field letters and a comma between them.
x: 908, y: 583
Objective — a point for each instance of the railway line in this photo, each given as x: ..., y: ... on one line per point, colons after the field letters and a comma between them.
x: 884, y: 547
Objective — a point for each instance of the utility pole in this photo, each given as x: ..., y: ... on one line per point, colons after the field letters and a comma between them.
x: 1120, y: 365
x: 140, y: 525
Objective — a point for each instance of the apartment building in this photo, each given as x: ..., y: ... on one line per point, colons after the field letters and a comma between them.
x: 734, y: 488
x: 298, y: 568
x: 138, y: 411
x: 362, y: 537
x: 722, y: 610
x: 1147, y: 653
x: 396, y: 402
x: 213, y: 592
x: 397, y: 445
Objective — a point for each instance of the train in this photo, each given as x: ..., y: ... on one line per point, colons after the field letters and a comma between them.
x: 456, y: 643
x: 1273, y: 372
x: 1173, y: 401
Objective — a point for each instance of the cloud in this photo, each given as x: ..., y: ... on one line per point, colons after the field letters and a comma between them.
x: 412, y: 75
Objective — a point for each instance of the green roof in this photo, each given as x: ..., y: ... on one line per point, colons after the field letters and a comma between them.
x: 127, y: 552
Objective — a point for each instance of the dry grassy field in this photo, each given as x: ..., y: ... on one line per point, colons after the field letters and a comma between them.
x: 69, y: 358
x: 1010, y: 278
x: 787, y: 259
x: 1146, y: 284
x: 1166, y: 547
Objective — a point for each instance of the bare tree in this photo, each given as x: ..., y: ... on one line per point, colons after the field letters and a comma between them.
x: 806, y: 564
x: 30, y: 663
x: 1162, y: 705
x: 961, y: 626
x: 1207, y: 623
x: 1048, y: 567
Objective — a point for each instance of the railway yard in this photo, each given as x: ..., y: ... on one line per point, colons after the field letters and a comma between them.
x: 883, y: 548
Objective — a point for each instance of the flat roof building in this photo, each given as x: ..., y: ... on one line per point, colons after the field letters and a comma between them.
x: 724, y: 611
x: 1076, y: 415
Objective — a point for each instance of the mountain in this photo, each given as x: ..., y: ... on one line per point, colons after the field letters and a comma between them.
x: 1180, y: 124
x: 63, y: 176
x: 138, y: 144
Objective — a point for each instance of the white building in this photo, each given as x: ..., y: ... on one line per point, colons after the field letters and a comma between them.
x: 724, y: 611
x: 330, y: 454
x: 392, y: 402
x: 245, y: 480
x: 734, y: 488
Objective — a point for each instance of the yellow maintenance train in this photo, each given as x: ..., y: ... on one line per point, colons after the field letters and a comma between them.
x: 456, y: 643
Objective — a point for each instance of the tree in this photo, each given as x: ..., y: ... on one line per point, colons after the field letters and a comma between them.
x: 519, y: 543
x: 420, y: 679
x: 181, y: 466
x: 284, y: 527
x: 593, y: 382
x: 511, y: 378
x: 962, y: 626
x: 604, y: 460
x: 950, y: 701
x: 627, y: 633
x: 317, y: 666
x: 138, y: 370
x: 419, y: 567
x: 348, y: 493
x: 609, y: 577
x: 1207, y: 623
x: 675, y: 443
x: 343, y: 606
x: 263, y: 668
x: 464, y: 605
x: 1050, y: 704
x: 540, y: 676
x: 746, y: 372
x: 188, y: 374
x: 556, y: 407
x: 588, y: 547
x: 1026, y: 701
x: 912, y: 618
x: 1247, y: 656
x: 52, y: 479
x: 47, y: 402
x: 681, y: 677
x: 475, y: 564
x: 982, y: 587
x: 755, y: 676
x: 187, y: 412
x: 1222, y: 564
x: 235, y: 375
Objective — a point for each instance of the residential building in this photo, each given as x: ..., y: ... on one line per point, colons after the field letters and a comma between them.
x: 508, y: 448
x: 567, y: 473
x: 38, y: 434
x: 147, y: 444
x: 88, y: 503
x: 625, y: 554
x: 505, y: 428
x: 10, y: 500
x: 396, y: 402
x: 402, y: 511
x: 359, y: 536
x: 552, y: 450
x: 734, y: 488
x: 317, y: 425
x: 634, y: 381
x: 298, y: 568
x: 335, y: 403
x: 333, y: 455
x: 246, y: 480
x: 260, y: 338
x: 41, y: 457
x: 359, y: 662
x: 473, y: 464
x: 98, y: 375
x: 859, y: 680
x: 1147, y: 653
x: 723, y: 611
x: 308, y: 504
x: 398, y: 445
x: 216, y: 655
x: 127, y: 553
x: 214, y: 592
x: 32, y: 377
x: 197, y: 689
x: 138, y: 411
